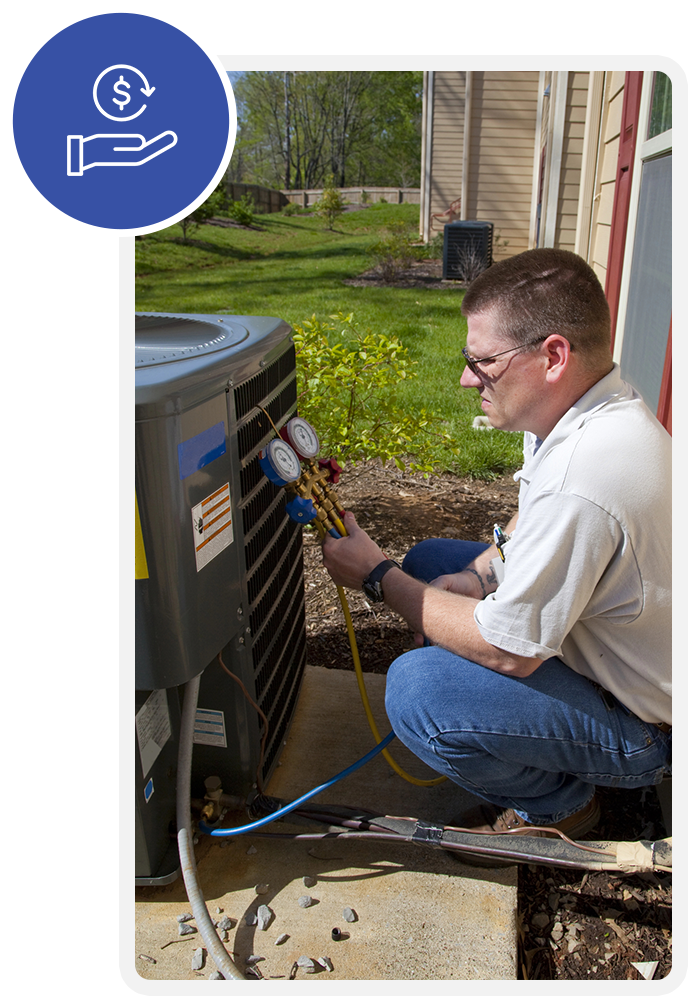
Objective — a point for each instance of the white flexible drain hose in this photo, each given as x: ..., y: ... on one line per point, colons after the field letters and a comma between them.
x: 188, y: 865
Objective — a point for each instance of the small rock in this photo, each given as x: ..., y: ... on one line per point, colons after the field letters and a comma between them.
x: 216, y: 975
x: 197, y: 959
x: 261, y: 888
x: 219, y: 910
x: 251, y: 850
x: 183, y: 918
x: 148, y: 958
x: 326, y: 963
x: 251, y: 919
x: 254, y: 959
x: 282, y: 938
x: 226, y: 923
x: 572, y: 945
x: 306, y: 964
x: 553, y: 900
x: 306, y: 901
x: 540, y: 920
x: 309, y: 881
x: 350, y: 915
x: 557, y: 932
x: 186, y: 929
x: 264, y: 917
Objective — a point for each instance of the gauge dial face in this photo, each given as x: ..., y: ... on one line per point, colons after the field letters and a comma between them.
x: 284, y: 460
x: 303, y: 437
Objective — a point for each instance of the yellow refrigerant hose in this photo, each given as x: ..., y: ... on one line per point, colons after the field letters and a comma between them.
x: 361, y: 683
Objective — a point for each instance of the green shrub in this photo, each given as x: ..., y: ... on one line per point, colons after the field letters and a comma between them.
x: 242, y: 211
x: 330, y: 205
x: 291, y: 209
x: 394, y: 252
x: 347, y: 381
x: 207, y: 210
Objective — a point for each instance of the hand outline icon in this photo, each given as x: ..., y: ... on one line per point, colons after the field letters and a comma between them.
x: 104, y: 153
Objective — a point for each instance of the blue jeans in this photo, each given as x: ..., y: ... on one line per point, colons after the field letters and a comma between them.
x: 539, y: 744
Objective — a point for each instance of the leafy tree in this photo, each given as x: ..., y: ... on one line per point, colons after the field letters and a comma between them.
x: 296, y: 128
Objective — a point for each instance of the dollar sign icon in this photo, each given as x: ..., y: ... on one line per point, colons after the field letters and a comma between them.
x: 121, y: 88
x: 126, y: 97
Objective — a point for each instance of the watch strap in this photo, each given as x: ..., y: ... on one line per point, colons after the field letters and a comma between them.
x: 372, y: 583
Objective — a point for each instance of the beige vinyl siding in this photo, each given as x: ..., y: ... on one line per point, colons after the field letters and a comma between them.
x: 570, y: 169
x: 607, y: 173
x: 503, y: 124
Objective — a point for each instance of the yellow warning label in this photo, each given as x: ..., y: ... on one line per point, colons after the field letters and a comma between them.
x: 141, y: 568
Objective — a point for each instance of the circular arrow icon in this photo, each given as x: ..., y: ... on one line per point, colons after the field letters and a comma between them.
x: 122, y: 90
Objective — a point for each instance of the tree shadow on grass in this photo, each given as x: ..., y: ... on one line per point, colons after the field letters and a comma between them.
x: 238, y: 253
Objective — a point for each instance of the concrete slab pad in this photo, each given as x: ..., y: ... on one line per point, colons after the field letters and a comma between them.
x: 420, y: 913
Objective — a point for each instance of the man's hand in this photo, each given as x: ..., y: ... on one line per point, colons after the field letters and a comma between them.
x: 350, y: 560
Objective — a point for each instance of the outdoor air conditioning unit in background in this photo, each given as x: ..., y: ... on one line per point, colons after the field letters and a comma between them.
x: 468, y: 250
x: 219, y: 565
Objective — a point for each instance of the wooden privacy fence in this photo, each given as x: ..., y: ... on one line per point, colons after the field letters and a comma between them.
x: 270, y: 200
x: 265, y: 199
x: 357, y: 195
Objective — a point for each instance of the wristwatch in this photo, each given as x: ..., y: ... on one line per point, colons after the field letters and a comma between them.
x: 372, y: 586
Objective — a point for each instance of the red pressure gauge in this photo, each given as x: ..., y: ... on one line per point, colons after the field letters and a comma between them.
x: 302, y: 437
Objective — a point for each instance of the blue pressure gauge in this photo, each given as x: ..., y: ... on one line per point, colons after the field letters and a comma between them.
x: 279, y: 462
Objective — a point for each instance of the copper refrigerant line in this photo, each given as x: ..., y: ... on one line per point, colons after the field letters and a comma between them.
x: 312, y: 499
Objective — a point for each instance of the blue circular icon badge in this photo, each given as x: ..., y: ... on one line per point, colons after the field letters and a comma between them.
x: 122, y: 122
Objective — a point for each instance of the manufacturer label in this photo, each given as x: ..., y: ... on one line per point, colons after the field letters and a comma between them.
x: 153, y: 729
x: 210, y: 728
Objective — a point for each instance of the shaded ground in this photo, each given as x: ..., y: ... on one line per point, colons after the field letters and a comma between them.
x: 572, y: 925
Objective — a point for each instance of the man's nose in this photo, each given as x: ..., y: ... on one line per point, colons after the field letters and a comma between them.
x: 468, y: 380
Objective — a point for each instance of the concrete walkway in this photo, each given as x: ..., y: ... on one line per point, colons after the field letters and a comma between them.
x: 420, y: 913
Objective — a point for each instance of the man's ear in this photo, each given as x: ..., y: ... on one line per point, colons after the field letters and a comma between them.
x: 557, y: 351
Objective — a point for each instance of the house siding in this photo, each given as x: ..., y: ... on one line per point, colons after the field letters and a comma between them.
x: 607, y: 173
x: 447, y: 142
x: 503, y: 125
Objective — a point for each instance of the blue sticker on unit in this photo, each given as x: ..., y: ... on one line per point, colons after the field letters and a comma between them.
x: 202, y: 449
x: 149, y: 790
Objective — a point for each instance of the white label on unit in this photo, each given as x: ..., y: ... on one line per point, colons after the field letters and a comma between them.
x: 210, y: 728
x: 212, y: 526
x: 153, y: 729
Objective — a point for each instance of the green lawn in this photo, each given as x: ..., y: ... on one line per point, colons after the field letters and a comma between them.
x: 293, y: 267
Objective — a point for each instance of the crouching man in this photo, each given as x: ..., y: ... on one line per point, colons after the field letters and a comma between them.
x: 548, y: 671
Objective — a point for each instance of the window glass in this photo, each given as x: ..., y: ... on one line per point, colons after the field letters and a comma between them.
x: 661, y: 114
x: 649, y: 301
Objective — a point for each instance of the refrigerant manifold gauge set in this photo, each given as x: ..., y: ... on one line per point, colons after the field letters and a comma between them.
x: 311, y: 493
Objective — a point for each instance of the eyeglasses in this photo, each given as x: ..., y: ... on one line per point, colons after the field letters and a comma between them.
x: 474, y: 362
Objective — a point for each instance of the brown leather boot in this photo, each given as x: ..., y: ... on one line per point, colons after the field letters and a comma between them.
x: 487, y: 818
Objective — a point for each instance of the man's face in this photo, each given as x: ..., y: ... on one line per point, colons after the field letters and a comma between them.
x: 510, y: 385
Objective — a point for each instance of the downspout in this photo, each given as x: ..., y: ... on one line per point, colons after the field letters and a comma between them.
x: 558, y: 95
x: 466, y: 148
x: 426, y: 153
x: 540, y: 100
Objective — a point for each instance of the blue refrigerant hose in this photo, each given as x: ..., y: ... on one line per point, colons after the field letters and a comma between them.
x: 216, y: 832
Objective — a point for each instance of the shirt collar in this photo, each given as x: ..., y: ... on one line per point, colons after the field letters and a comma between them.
x: 593, y: 399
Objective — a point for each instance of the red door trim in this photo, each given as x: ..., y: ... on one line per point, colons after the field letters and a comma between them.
x: 623, y: 190
x: 665, y: 399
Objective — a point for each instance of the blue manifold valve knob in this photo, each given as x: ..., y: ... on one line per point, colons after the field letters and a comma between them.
x: 279, y: 462
x: 301, y: 509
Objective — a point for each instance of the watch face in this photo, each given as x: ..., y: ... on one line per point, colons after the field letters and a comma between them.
x: 303, y: 437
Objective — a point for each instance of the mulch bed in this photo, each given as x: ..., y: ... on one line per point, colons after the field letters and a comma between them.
x: 572, y: 925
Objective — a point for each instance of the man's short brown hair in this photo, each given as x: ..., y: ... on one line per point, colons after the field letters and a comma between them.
x: 544, y: 291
